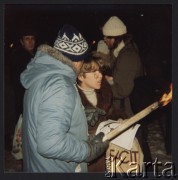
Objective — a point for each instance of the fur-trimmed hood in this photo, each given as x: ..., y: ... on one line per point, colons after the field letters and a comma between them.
x: 47, y: 61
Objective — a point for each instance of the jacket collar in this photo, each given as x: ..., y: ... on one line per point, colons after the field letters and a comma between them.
x: 57, y: 55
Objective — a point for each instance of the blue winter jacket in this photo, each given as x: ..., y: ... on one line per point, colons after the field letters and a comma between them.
x: 54, y: 122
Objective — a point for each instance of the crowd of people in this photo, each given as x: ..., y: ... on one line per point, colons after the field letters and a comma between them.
x: 65, y: 91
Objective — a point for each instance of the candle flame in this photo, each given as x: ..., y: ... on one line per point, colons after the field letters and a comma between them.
x: 167, y: 97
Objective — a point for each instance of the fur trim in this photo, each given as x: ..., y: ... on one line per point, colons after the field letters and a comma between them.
x: 57, y: 55
x: 104, y: 59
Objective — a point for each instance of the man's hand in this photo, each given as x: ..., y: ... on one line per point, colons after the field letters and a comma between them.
x: 96, y: 147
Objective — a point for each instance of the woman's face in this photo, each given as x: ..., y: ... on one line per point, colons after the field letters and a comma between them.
x: 91, y: 80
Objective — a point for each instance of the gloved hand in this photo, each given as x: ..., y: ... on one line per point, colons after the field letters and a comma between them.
x: 96, y: 147
x: 92, y: 115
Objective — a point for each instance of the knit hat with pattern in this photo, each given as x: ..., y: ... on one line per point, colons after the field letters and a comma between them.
x: 71, y: 43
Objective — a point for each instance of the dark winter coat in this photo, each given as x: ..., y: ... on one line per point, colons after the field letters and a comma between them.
x: 104, y: 101
x: 126, y: 68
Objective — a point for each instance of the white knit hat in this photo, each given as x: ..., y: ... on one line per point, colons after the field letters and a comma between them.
x: 114, y: 27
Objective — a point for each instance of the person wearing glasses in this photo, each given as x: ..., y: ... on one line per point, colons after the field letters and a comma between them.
x: 125, y: 62
x: 126, y: 68
x: 96, y: 97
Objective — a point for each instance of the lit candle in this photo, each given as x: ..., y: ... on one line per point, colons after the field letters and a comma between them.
x: 165, y: 99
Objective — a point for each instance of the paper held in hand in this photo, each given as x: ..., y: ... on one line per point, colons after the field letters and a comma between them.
x: 125, y: 139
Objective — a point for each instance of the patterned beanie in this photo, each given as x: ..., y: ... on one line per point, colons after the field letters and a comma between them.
x: 114, y: 27
x: 71, y: 43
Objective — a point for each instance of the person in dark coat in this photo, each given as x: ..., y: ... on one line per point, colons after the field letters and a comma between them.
x: 120, y: 49
x: 96, y: 97
x: 125, y: 61
x: 19, y: 59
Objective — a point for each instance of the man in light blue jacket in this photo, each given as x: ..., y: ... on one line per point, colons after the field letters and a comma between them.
x: 55, y: 132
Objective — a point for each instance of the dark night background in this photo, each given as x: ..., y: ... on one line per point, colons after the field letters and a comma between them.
x: 149, y: 24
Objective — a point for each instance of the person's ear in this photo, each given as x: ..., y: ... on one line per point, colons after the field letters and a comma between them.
x: 81, y: 78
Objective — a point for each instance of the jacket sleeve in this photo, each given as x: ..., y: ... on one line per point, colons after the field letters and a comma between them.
x: 124, y: 74
x: 55, y: 114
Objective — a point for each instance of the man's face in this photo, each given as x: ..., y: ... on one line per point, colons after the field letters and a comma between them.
x: 109, y: 41
x: 28, y: 42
